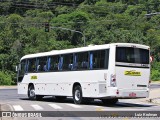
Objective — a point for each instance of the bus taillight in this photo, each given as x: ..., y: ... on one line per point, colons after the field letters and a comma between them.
x: 113, y: 80
x: 117, y: 92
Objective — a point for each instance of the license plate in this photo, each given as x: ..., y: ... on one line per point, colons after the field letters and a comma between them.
x: 132, y: 94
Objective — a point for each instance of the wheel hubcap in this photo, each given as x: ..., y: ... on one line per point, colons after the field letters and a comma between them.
x: 32, y: 93
x: 77, y: 95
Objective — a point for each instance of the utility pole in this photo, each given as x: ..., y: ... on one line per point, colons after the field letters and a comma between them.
x: 84, y: 39
x: 149, y: 15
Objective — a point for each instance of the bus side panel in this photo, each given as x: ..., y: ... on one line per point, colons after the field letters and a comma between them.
x: 93, y: 83
x: 53, y: 83
x: 57, y: 89
x: 22, y: 88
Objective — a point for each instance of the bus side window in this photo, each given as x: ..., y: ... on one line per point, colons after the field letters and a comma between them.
x: 91, y: 60
x: 22, y: 67
x: 98, y: 59
x: 56, y: 62
x: 48, y: 63
x: 70, y: 66
x: 27, y: 66
x: 83, y: 60
x: 42, y: 64
x: 68, y: 62
x: 52, y: 63
x: 75, y: 63
x: 60, y: 63
x: 32, y: 65
x: 106, y: 58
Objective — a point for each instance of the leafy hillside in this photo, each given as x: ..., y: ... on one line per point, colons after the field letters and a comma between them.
x: 22, y: 28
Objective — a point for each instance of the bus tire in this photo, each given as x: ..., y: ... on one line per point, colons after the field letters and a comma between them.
x: 77, y: 95
x: 31, y: 92
x: 110, y: 101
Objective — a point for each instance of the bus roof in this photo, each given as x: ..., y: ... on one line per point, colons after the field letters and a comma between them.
x: 81, y: 49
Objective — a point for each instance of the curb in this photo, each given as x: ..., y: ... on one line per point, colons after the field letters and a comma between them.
x: 154, y: 100
x: 8, y: 87
x: 154, y: 96
x: 155, y: 82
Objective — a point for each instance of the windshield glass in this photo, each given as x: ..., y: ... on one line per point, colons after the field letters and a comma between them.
x: 22, y: 67
x: 132, y: 55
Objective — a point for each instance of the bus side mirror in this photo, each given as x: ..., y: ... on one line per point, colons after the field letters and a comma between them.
x: 16, y: 68
x: 151, y: 59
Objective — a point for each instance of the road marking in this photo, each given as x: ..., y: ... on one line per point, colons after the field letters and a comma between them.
x: 37, y: 107
x: 17, y: 108
x: 55, y: 106
x: 74, y: 106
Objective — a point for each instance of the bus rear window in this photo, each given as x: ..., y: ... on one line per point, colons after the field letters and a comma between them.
x: 132, y: 55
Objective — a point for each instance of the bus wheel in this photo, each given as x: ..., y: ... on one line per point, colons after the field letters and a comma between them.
x: 31, y: 92
x: 110, y: 101
x: 60, y: 98
x: 77, y: 95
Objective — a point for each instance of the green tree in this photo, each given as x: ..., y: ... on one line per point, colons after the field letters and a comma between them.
x: 5, y: 78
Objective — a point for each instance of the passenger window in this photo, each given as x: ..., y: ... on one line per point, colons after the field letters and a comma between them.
x: 91, y: 64
x: 32, y: 65
x: 22, y: 68
x: 98, y: 59
x: 83, y: 60
x: 75, y: 63
x: 42, y: 64
x: 68, y: 62
x: 53, y: 62
x: 60, y: 63
x: 106, y: 58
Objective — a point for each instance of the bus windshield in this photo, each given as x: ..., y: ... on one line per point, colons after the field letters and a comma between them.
x: 132, y: 55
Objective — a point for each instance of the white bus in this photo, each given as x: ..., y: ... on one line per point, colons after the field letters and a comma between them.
x: 107, y: 72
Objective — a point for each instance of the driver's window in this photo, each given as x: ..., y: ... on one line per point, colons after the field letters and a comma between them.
x: 22, y: 67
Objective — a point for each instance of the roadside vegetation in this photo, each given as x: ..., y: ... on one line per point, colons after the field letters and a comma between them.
x: 22, y: 28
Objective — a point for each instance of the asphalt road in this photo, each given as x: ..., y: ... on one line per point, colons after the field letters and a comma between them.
x: 22, y: 103
x: 11, y: 94
x: 154, y: 86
